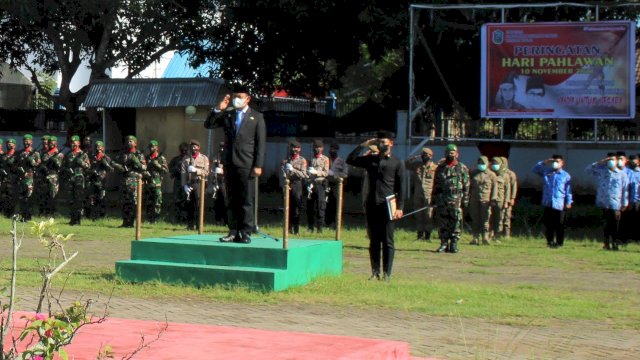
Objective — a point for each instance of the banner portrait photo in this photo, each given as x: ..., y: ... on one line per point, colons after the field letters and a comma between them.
x: 558, y: 70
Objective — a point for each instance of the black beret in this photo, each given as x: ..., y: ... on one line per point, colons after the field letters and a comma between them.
x: 318, y: 143
x: 335, y: 145
x: 610, y: 154
x: 621, y: 153
x: 294, y: 143
x: 557, y: 157
x: 384, y: 134
x: 633, y: 157
x: 194, y: 142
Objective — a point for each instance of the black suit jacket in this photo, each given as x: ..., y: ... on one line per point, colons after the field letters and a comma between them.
x: 247, y: 148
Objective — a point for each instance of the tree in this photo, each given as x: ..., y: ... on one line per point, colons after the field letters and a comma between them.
x: 58, y: 35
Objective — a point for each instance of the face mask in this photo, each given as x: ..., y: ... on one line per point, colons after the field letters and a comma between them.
x: 611, y: 164
x: 426, y: 158
x: 383, y: 148
x: 555, y: 165
x: 317, y: 150
x: 238, y: 103
x: 482, y: 167
x: 620, y: 163
x: 294, y: 151
x: 495, y: 167
x: 633, y: 165
x: 333, y: 153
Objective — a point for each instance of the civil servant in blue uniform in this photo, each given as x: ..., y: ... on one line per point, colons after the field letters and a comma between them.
x: 556, y: 197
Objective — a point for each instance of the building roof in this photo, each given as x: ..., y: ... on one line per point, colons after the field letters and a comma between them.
x: 179, y: 67
x: 154, y: 93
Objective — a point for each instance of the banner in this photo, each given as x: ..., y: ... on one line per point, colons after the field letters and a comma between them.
x: 558, y: 70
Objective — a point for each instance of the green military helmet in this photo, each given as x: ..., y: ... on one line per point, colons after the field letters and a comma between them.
x: 53, y: 138
x: 452, y: 147
x: 27, y: 137
x: 75, y: 138
x: 131, y: 137
x: 99, y: 143
x: 11, y: 140
x: 153, y: 142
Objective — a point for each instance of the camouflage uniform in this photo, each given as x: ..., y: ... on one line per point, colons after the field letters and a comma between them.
x: 192, y: 181
x: 422, y: 178
x: 294, y: 168
x: 317, y: 196
x: 96, y: 184
x: 9, y: 171
x: 179, y: 196
x: 27, y: 162
x: 482, y: 191
x: 40, y: 177
x: 157, y: 167
x: 132, y: 164
x: 451, y: 195
x: 75, y: 164
x: 52, y: 162
x: 500, y: 203
x: 508, y: 214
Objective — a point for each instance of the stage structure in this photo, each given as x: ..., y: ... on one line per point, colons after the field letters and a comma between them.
x: 603, y: 70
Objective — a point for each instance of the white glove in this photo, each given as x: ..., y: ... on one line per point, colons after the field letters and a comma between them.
x: 330, y: 172
x: 191, y: 169
x: 187, y: 189
x: 219, y: 171
x: 312, y: 171
x: 288, y: 167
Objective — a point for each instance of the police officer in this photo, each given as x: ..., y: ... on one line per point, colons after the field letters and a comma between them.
x: 316, y: 187
x: 52, y: 161
x: 27, y: 162
x: 612, y: 195
x: 101, y: 166
x: 482, y: 190
x: 451, y: 196
x: 10, y: 173
x: 338, y: 169
x: 193, y: 170
x: 179, y: 197
x: 131, y: 163
x: 294, y: 168
x: 157, y: 167
x: 76, y: 163
x: 501, y: 201
x: 423, y: 170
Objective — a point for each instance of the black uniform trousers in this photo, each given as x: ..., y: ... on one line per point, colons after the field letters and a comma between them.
x: 332, y: 204
x: 240, y: 202
x: 611, y: 226
x: 380, y: 237
x: 295, y: 205
x: 316, y: 206
x: 192, y: 207
x: 553, y: 221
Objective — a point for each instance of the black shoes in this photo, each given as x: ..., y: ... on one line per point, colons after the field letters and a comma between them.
x: 242, y: 238
x: 229, y: 238
x: 443, y: 248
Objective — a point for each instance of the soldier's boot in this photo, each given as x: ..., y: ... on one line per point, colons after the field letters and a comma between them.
x: 507, y: 234
x: 485, y: 238
x: 453, y: 246
x: 420, y: 235
x: 443, y: 246
x: 474, y: 241
x: 427, y: 236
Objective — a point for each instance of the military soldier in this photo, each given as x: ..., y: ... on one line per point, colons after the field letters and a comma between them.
x: 10, y: 174
x: 193, y: 170
x: 97, y: 192
x: 338, y: 169
x: 76, y: 163
x: 501, y: 202
x: 86, y: 145
x: 179, y: 197
x: 451, y: 196
x: 508, y: 214
x: 52, y: 161
x: 40, y: 176
x: 27, y: 162
x: 157, y: 167
x: 482, y: 190
x: 131, y: 163
x: 294, y: 168
x: 423, y: 170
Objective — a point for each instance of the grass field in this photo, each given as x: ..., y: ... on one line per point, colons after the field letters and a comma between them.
x: 520, y: 281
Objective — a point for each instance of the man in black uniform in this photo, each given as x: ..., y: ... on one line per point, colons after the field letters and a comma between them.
x: 245, y: 140
x: 386, y: 176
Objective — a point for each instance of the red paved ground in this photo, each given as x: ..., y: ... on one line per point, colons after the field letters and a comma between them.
x: 189, y: 341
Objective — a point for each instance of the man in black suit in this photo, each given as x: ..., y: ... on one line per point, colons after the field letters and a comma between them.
x: 245, y: 140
